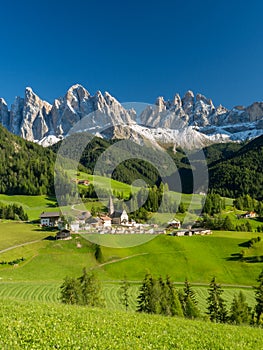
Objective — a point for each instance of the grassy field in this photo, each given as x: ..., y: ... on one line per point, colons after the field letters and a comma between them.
x: 50, y: 292
x: 15, y: 233
x: 34, y: 325
x: 198, y: 258
x: 33, y: 205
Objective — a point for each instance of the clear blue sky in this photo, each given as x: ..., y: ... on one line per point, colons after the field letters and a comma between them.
x: 136, y: 50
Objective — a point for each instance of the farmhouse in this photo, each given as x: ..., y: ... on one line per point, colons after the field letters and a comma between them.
x: 63, y: 234
x: 49, y: 219
x: 106, y: 221
x: 83, y: 182
x: 174, y: 223
x: 248, y: 215
x: 74, y: 226
x: 80, y: 182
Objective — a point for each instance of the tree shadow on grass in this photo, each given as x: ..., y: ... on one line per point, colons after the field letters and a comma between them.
x: 246, y: 244
x: 247, y: 259
x: 52, y: 202
x: 50, y: 238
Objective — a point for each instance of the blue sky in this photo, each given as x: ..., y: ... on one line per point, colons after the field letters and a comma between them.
x: 136, y: 50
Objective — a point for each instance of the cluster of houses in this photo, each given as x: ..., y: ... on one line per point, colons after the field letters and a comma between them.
x: 115, y: 223
x: 191, y: 232
x: 112, y: 223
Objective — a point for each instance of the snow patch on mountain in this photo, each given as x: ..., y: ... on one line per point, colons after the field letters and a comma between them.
x: 190, y: 122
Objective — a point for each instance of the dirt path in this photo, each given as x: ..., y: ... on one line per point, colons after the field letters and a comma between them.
x: 19, y: 245
x: 118, y: 260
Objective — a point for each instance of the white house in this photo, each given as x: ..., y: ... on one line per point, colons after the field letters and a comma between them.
x: 49, y: 219
x: 174, y: 223
x: 106, y: 221
x: 74, y: 226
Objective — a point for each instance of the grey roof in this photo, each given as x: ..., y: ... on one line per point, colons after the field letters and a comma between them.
x: 92, y: 220
x: 54, y: 214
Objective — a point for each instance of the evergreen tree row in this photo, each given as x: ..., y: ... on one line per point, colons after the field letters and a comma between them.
x: 12, y: 212
x: 161, y: 297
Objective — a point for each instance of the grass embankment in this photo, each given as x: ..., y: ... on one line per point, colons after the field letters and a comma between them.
x: 44, y: 326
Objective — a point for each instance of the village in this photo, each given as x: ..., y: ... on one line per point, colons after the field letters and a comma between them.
x: 113, y: 222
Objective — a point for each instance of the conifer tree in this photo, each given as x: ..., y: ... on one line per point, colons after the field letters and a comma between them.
x: 175, y: 308
x: 189, y: 302
x: 240, y: 312
x: 259, y: 299
x: 149, y: 296
x: 124, y: 295
x: 90, y: 290
x: 216, y: 305
x: 70, y: 291
x: 145, y: 293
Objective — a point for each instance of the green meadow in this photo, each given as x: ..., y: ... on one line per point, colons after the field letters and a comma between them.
x: 198, y: 258
x: 33, y: 205
x: 34, y: 325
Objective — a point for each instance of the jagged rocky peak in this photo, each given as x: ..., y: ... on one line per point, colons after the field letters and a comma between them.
x: 77, y: 93
x: 110, y: 100
x: 202, y: 98
x: 177, y: 101
x: 255, y: 111
x: 16, y: 115
x: 4, y: 113
x: 175, y: 119
x: 221, y: 109
x: 33, y: 99
x: 2, y: 102
x: 188, y: 102
x: 160, y: 103
x: 98, y: 100
x: 35, y: 122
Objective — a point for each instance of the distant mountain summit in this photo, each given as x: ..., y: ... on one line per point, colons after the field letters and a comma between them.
x: 190, y: 122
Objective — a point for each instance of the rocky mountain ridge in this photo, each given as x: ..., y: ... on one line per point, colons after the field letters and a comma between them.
x: 191, y: 121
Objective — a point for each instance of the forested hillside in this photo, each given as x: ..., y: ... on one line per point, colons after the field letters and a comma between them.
x: 25, y: 168
x: 242, y: 173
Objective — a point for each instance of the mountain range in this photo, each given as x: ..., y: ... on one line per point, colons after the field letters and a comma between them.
x: 190, y: 122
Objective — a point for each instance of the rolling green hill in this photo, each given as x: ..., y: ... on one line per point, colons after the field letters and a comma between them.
x: 198, y: 258
x: 28, y: 325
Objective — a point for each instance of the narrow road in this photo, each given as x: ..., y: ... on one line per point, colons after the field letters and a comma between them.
x: 118, y: 260
x: 19, y: 245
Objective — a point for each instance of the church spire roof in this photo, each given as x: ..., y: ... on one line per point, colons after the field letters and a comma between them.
x: 111, y: 206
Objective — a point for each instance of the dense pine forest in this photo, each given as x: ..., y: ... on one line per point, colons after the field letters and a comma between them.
x: 27, y: 168
x: 241, y: 173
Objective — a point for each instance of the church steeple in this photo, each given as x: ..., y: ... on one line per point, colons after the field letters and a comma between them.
x: 111, y: 206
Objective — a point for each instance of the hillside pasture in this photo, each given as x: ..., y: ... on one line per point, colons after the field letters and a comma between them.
x: 28, y: 325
